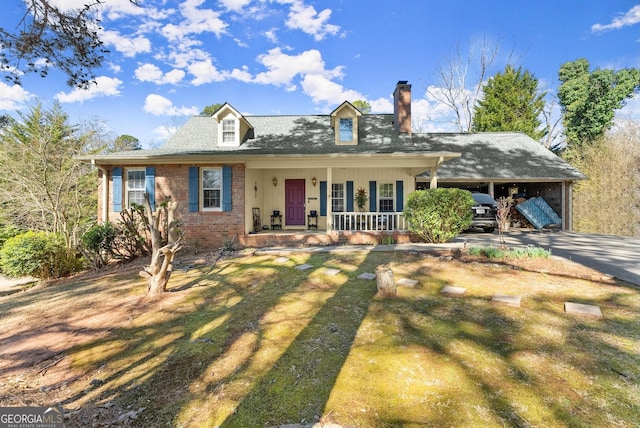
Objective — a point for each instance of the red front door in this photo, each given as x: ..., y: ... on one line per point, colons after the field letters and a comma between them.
x: 294, y: 202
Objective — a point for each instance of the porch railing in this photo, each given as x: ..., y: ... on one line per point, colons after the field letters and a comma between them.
x: 368, y: 221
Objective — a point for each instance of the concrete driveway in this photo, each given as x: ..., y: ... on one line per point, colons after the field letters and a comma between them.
x: 617, y: 256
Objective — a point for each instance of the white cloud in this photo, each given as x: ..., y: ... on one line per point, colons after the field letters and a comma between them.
x: 152, y: 73
x: 12, y: 97
x: 205, y: 72
x: 381, y: 105
x: 128, y: 46
x: 282, y: 68
x: 105, y: 86
x: 632, y: 17
x: 158, y: 105
x: 305, y: 18
x: 196, y: 21
x: 321, y: 89
x: 235, y: 5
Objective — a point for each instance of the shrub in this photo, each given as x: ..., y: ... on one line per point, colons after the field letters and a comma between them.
x: 42, y: 255
x: 438, y: 215
x: 98, y: 243
x: 512, y: 253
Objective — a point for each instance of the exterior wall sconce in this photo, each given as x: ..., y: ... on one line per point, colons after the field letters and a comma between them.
x: 275, y: 182
x: 314, y: 181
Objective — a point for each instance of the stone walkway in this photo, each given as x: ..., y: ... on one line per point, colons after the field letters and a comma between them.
x: 452, y: 291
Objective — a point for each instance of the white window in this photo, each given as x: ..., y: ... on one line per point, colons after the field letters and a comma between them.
x: 211, y: 196
x: 135, y: 187
x: 337, y: 197
x: 346, y: 129
x: 385, y: 197
x: 229, y: 131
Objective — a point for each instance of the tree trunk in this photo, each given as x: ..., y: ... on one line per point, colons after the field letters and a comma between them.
x: 159, y: 270
x: 386, y: 283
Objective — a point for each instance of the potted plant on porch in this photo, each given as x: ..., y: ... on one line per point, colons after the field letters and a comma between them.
x: 361, y: 198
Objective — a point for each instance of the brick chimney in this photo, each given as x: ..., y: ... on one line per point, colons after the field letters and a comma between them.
x: 402, y: 107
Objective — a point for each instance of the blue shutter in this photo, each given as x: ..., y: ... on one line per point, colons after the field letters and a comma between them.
x: 373, y: 194
x: 117, y: 189
x: 194, y: 190
x: 226, y: 188
x: 150, y: 185
x: 323, y: 198
x: 350, y: 196
x: 399, y: 196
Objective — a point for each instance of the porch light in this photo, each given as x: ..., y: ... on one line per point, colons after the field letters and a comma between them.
x: 275, y: 182
x: 314, y: 181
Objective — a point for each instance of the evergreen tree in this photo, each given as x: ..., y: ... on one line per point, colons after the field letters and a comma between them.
x: 589, y: 99
x: 511, y: 102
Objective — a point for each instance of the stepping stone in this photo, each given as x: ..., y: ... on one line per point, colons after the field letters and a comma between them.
x: 453, y: 291
x: 367, y: 275
x: 304, y: 267
x: 582, y: 309
x: 507, y: 300
x: 280, y: 260
x: 407, y: 282
x: 332, y: 272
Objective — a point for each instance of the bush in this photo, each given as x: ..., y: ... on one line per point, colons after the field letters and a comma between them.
x: 438, y: 215
x: 98, y: 243
x: 512, y: 253
x: 42, y: 255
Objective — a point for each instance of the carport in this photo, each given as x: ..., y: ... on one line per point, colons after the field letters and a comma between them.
x: 505, y: 164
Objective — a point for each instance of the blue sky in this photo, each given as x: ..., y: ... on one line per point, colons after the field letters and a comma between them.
x: 171, y: 58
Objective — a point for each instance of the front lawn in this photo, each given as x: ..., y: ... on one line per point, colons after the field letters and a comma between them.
x: 253, y: 341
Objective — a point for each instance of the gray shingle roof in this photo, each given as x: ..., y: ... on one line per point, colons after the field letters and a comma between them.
x: 484, y: 155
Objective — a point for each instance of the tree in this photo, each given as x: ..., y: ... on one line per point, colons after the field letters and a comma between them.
x: 511, y: 102
x: 455, y: 74
x: 609, y: 201
x: 42, y: 186
x: 209, y: 110
x: 589, y: 99
x: 125, y: 142
x: 165, y: 237
x: 363, y: 106
x: 49, y: 36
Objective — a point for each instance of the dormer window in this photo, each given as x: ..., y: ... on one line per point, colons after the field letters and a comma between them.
x: 346, y: 129
x: 344, y: 121
x: 229, y: 131
x: 232, y: 126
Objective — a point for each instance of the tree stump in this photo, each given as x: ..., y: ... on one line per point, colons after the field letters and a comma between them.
x: 386, y: 283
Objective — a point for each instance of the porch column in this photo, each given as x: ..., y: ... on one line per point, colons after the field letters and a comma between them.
x: 328, y: 197
x: 433, y: 184
x: 492, y: 190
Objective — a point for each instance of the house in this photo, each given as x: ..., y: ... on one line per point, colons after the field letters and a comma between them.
x: 293, y: 179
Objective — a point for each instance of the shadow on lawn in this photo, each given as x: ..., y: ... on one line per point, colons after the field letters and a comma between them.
x: 207, y: 352
x: 234, y: 352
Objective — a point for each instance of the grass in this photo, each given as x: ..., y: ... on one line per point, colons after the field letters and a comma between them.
x: 253, y: 342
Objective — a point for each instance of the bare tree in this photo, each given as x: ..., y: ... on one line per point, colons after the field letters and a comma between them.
x: 461, y: 78
x: 165, y: 243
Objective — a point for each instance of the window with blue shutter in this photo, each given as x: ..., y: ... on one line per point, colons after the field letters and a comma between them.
x: 194, y: 188
x: 150, y: 185
x: 117, y: 189
x: 373, y: 194
x: 226, y: 188
x: 399, y: 196
x: 323, y: 198
x: 350, y: 196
